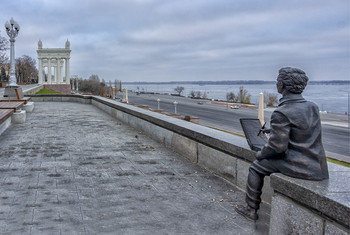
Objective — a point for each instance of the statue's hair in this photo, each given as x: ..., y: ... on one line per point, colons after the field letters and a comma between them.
x: 294, y: 80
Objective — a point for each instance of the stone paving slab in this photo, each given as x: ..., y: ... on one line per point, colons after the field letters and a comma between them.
x: 72, y: 169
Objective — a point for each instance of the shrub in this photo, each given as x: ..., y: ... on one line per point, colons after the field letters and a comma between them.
x: 93, y: 86
x: 270, y: 99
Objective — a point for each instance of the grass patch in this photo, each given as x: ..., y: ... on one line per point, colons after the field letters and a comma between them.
x: 338, y: 162
x: 45, y: 91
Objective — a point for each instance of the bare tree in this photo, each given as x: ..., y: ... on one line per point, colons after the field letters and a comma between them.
x: 94, y: 77
x: 179, y: 89
x: 193, y: 94
x: 26, y: 70
x: 243, y: 96
x: 198, y: 94
x: 270, y: 99
x: 230, y: 96
x: 3, y: 48
x: 3, y: 75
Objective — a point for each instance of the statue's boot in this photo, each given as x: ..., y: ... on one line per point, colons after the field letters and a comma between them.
x: 248, y: 212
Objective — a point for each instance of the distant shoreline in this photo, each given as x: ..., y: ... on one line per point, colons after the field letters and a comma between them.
x: 240, y: 82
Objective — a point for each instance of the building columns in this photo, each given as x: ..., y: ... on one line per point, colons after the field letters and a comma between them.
x: 40, y: 79
x: 49, y: 78
x: 54, y: 57
x: 59, y: 77
x: 67, y: 71
x: 57, y: 73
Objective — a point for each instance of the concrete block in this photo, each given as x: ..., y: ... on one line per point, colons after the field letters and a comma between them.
x: 242, y: 173
x: 37, y: 99
x: 56, y: 99
x: 164, y: 134
x: 5, y: 125
x: 160, y: 134
x: 330, y: 197
x: 107, y: 109
x: 47, y: 99
x: 218, y: 162
x: 96, y: 104
x: 142, y: 125
x: 28, y: 107
x: 68, y: 99
x: 18, y: 117
x: 335, y: 229
x: 123, y: 117
x: 114, y: 113
x: 100, y: 105
x: 103, y: 107
x: 186, y: 147
x: 288, y: 217
x: 134, y: 122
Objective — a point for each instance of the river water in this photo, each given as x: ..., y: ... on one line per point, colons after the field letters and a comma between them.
x: 330, y: 98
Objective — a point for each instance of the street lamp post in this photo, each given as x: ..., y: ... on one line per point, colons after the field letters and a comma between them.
x: 76, y: 85
x: 175, y: 103
x: 12, y: 30
x: 73, y: 85
x: 158, y: 100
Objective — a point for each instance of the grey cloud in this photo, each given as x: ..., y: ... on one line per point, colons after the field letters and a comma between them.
x: 137, y: 40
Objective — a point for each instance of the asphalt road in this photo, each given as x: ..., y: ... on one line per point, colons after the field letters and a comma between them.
x: 335, y: 134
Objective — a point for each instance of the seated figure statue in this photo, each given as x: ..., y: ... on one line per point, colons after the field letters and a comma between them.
x: 294, y: 148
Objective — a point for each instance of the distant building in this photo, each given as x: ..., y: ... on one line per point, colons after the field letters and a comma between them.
x: 56, y: 59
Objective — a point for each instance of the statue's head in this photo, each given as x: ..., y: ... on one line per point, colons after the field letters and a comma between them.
x: 292, y: 80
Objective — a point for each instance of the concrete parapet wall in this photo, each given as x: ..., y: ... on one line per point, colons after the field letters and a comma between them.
x: 33, y: 90
x: 62, y: 98
x: 318, y: 207
x: 4, y: 125
x: 298, y: 206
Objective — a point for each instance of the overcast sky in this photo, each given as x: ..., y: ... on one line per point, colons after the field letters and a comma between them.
x: 188, y: 40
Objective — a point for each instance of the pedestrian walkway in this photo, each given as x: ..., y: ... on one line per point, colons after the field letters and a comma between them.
x: 72, y: 169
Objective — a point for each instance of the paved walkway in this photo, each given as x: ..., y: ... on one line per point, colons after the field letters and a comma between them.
x: 72, y: 169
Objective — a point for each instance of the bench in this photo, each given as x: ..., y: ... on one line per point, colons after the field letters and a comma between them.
x: 19, y: 97
x: 5, y: 114
x: 14, y: 99
x: 11, y: 105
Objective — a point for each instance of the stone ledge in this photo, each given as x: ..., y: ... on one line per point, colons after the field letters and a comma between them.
x: 62, y: 95
x: 5, y: 124
x: 33, y: 90
x: 328, y: 198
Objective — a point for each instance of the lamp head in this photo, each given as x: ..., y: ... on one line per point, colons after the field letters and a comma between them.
x: 17, y: 26
x: 7, y: 26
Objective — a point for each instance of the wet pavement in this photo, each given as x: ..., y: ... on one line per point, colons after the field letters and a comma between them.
x: 72, y: 169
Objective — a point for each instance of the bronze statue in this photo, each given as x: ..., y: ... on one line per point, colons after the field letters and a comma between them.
x: 294, y: 148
